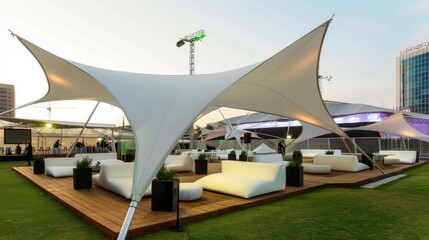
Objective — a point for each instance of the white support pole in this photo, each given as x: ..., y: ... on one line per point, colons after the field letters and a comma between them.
x: 127, y: 221
x: 113, y: 141
x: 231, y: 129
x: 366, y: 155
x: 83, y: 128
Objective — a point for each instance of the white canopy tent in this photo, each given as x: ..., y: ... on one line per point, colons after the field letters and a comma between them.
x: 397, y: 125
x: 160, y: 109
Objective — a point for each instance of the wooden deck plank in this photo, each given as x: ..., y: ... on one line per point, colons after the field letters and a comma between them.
x: 106, y: 211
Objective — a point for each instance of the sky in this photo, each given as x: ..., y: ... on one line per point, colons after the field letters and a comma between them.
x: 359, y: 51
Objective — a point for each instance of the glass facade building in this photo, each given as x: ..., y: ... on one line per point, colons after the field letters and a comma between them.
x: 413, y: 79
x: 7, y: 99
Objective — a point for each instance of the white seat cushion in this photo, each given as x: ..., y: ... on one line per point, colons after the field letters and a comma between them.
x: 190, y: 191
x: 316, y: 168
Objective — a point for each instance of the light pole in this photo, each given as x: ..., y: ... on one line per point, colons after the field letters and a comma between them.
x: 191, y: 39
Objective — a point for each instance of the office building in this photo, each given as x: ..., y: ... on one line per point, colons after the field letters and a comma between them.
x: 412, y: 79
x: 7, y: 99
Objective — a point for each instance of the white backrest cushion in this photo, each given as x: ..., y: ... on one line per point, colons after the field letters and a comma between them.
x: 267, y: 158
x: 96, y: 156
x: 252, y: 169
x: 60, y: 162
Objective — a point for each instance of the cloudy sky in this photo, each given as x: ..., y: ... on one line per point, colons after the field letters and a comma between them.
x: 359, y: 51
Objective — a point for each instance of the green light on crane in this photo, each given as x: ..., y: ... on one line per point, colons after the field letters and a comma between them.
x: 199, y: 37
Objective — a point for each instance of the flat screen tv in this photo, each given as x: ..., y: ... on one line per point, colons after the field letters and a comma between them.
x: 16, y: 136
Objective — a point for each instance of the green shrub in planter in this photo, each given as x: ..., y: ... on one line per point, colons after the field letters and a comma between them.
x: 82, y: 174
x: 39, y: 164
x: 201, y: 164
x: 329, y: 152
x: 243, y: 156
x: 165, y: 188
x: 295, y: 171
x: 232, y: 155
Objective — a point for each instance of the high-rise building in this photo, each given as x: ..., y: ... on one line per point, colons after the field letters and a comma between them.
x: 7, y: 99
x: 412, y: 79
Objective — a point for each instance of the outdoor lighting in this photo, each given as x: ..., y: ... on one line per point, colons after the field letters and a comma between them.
x: 49, y: 125
x: 289, y: 137
x: 180, y: 43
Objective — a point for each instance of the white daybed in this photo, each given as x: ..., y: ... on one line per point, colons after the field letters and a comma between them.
x: 246, y: 179
x: 63, y: 167
x: 117, y: 178
x: 403, y: 156
x: 349, y: 163
x: 179, y: 163
x: 309, y: 154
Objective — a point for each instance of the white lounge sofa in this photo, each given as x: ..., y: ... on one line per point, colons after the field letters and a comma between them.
x: 59, y: 167
x: 63, y: 167
x: 179, y: 163
x: 269, y: 158
x: 349, y: 163
x: 403, y: 156
x: 309, y: 154
x: 117, y: 178
x: 246, y: 179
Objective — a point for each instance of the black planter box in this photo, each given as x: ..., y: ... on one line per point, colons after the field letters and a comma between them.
x: 39, y: 167
x: 232, y: 156
x: 295, y: 176
x: 242, y: 158
x: 82, y: 178
x: 367, y: 162
x: 200, y: 166
x: 165, y: 195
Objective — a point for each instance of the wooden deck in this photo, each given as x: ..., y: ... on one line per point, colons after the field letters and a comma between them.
x: 106, y: 211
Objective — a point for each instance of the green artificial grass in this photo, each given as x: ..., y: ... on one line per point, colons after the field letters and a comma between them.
x: 26, y: 212
x: 397, y: 210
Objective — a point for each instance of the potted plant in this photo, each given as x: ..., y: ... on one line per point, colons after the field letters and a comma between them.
x: 243, y: 156
x: 201, y: 164
x: 82, y: 174
x: 39, y: 164
x: 329, y: 152
x: 294, y: 171
x: 165, y: 188
x: 232, y: 156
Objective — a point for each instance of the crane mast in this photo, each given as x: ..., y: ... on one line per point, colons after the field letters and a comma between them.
x: 191, y: 39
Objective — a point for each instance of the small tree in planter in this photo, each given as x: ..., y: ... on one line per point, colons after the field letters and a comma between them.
x: 243, y: 156
x: 39, y: 164
x: 82, y: 174
x: 165, y: 188
x: 294, y: 171
x: 329, y: 152
x: 232, y: 156
x: 201, y: 164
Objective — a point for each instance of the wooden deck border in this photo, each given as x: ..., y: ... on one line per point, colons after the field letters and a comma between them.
x: 106, y: 211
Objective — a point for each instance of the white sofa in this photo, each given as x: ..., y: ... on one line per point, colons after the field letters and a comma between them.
x: 403, y: 156
x: 310, y: 153
x: 269, y: 158
x: 63, y: 167
x: 246, y: 179
x: 59, y: 167
x: 349, y: 163
x: 117, y: 178
x: 179, y: 163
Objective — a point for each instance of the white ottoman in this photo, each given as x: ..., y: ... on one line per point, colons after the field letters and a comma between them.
x: 190, y: 191
x: 316, y: 168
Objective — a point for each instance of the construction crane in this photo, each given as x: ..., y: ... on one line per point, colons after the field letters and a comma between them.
x: 320, y: 78
x: 191, y: 39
